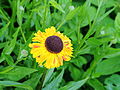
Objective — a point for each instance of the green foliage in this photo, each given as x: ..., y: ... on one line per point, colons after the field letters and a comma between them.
x: 74, y: 85
x: 33, y: 81
x: 96, y: 84
x: 48, y: 76
x: 15, y: 84
x: 93, y: 27
x: 17, y: 73
x: 113, y: 82
x: 53, y: 85
x: 111, y: 63
x: 56, y: 5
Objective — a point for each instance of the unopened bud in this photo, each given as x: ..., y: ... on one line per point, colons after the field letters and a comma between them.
x: 24, y: 53
x: 71, y: 8
x: 102, y: 32
x: 21, y: 8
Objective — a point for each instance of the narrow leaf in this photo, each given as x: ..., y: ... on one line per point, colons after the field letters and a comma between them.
x: 9, y: 59
x: 56, y: 5
x: 33, y: 81
x: 72, y: 13
x: 3, y: 29
x: 8, y: 49
x: 108, y: 66
x: 74, y: 85
x: 17, y: 73
x: 113, y: 82
x: 97, y: 85
x: 54, y: 84
x: 6, y: 69
x: 3, y: 44
x: 117, y: 21
x: 15, y: 84
x: 48, y: 75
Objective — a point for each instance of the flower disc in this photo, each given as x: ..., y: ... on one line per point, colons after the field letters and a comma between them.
x: 54, y: 44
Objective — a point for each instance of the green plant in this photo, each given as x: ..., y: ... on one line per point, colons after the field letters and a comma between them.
x: 93, y: 27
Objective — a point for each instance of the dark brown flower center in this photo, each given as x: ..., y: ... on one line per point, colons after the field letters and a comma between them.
x: 54, y: 44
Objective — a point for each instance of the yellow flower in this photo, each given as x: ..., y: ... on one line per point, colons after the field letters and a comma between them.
x: 50, y: 48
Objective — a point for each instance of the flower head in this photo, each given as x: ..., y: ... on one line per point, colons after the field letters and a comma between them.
x: 50, y: 48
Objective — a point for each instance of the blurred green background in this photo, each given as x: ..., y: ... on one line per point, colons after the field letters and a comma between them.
x: 93, y: 27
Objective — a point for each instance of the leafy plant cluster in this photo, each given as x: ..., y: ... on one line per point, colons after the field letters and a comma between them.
x: 93, y: 27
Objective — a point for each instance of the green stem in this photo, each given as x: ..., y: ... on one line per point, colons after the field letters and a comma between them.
x: 61, y: 24
x: 90, y: 30
x: 78, y: 30
x: 89, y: 72
x: 45, y: 14
x: 23, y: 35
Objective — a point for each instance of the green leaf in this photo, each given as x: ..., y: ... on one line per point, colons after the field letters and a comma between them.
x: 56, y: 5
x: 79, y: 61
x: 93, y: 42
x: 9, y: 48
x: 33, y: 81
x: 97, y: 85
x: 6, y: 69
x: 72, y: 13
x: 4, y: 14
x: 111, y: 52
x: 74, y: 85
x: 113, y: 82
x: 75, y: 73
x: 17, y: 73
x: 105, y: 30
x: 9, y: 59
x: 107, y: 3
x: 117, y: 21
x: 108, y: 66
x: 48, y: 75
x: 19, y: 13
x: 3, y: 44
x: 25, y: 46
x: 15, y: 84
x: 85, y: 51
x: 1, y: 87
x: 73, y: 36
x: 28, y: 41
x: 85, y: 17
x: 54, y: 84
x: 106, y: 14
x: 3, y: 29
x: 117, y: 26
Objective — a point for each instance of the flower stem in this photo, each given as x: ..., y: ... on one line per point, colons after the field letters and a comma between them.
x: 45, y: 14
x: 92, y: 26
x: 61, y: 24
x: 23, y: 35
